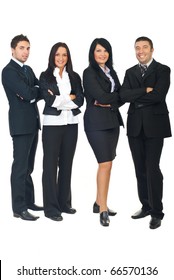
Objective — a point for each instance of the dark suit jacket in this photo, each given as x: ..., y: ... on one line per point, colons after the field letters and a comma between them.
x: 76, y: 88
x: 147, y: 109
x: 20, y: 90
x: 97, y: 87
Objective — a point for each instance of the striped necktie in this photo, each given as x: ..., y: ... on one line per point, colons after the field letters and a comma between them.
x: 143, y: 68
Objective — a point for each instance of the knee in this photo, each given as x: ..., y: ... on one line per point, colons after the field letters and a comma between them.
x: 106, y: 166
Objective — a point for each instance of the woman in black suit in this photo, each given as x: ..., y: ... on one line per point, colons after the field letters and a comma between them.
x: 62, y: 90
x: 102, y: 118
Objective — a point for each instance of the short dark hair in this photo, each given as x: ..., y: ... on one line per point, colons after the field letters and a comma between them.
x: 105, y: 44
x: 18, y: 39
x: 144, y: 38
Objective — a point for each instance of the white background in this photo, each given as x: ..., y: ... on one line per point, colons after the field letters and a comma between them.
x: 80, y: 240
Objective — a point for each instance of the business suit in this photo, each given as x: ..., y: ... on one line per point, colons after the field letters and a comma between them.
x: 59, y: 144
x: 22, y: 93
x: 147, y: 126
x: 102, y: 123
x: 97, y: 86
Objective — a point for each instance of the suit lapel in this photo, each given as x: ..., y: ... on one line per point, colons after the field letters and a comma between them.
x: 18, y: 68
x: 151, y: 68
x: 15, y: 65
x: 103, y: 76
x: 138, y: 73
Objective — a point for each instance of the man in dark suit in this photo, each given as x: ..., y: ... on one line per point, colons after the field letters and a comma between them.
x: 22, y: 90
x: 145, y: 87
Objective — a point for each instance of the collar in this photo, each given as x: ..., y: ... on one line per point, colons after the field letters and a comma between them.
x: 105, y: 69
x: 57, y: 70
x: 147, y: 64
x: 17, y: 61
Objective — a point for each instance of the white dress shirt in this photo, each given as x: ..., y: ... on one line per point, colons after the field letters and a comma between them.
x: 106, y: 70
x: 62, y: 102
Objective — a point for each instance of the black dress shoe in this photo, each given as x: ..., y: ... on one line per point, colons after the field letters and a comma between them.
x: 104, y: 218
x: 56, y: 218
x: 96, y: 209
x: 69, y: 210
x: 155, y: 223
x: 25, y: 215
x: 140, y: 214
x: 34, y: 207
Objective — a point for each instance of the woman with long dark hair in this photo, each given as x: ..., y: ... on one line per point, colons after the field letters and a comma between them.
x: 62, y: 91
x: 102, y: 118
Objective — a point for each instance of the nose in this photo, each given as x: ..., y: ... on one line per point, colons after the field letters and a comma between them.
x: 26, y: 51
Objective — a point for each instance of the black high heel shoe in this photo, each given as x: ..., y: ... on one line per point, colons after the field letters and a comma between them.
x: 96, y: 209
x: 104, y: 219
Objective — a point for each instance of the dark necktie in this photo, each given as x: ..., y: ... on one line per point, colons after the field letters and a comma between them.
x: 143, y: 69
x: 25, y: 71
x: 24, y: 68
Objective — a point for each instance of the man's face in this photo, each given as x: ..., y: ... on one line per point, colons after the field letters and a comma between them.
x: 21, y: 52
x: 143, y: 51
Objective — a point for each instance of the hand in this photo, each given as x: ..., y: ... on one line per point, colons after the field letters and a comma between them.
x: 72, y: 96
x: 50, y: 92
x: 96, y: 103
x: 19, y: 96
x: 149, y: 89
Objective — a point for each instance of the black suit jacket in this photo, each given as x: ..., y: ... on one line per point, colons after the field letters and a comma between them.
x: 147, y: 110
x: 21, y: 90
x: 51, y: 83
x: 97, y: 87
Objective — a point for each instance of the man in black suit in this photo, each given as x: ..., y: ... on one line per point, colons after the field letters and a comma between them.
x: 145, y: 87
x: 22, y: 90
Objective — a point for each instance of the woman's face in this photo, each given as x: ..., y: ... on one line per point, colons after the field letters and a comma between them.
x: 61, y: 57
x: 101, y: 55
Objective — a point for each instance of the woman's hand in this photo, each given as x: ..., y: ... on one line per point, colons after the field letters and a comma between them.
x: 96, y: 103
x: 50, y: 92
x: 72, y: 96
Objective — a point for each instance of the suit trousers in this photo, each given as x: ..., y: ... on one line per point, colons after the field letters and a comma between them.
x: 24, y: 150
x: 146, y: 153
x: 59, y: 144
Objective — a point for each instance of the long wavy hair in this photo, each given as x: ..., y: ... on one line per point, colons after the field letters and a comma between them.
x: 51, y: 61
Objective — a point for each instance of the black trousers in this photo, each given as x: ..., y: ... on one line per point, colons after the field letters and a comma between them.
x: 146, y: 153
x: 59, y: 144
x: 24, y: 150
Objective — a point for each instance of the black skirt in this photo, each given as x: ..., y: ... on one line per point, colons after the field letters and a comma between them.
x: 104, y: 143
